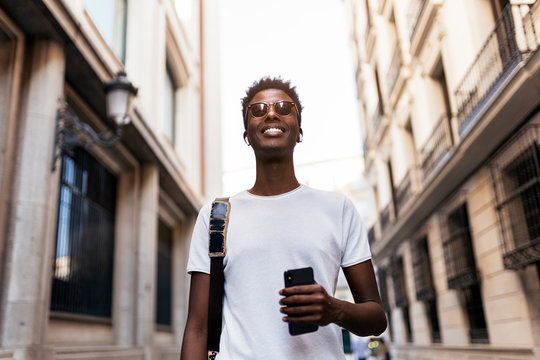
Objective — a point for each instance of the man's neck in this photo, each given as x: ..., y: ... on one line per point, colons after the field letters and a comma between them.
x: 274, y: 178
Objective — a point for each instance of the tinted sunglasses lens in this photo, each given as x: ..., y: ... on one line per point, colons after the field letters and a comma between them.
x: 258, y: 110
x: 283, y: 107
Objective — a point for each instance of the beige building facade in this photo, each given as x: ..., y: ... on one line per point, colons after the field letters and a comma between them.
x: 449, y: 96
x: 94, y: 242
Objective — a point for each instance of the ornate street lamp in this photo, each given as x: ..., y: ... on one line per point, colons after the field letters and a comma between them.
x: 72, y: 132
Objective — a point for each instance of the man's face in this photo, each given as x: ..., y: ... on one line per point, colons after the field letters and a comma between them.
x: 272, y: 134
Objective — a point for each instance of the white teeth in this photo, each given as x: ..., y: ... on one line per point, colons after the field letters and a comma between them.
x: 273, y: 131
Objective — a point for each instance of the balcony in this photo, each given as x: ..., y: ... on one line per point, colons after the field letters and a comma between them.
x: 407, y: 188
x: 510, y: 42
x: 436, y: 147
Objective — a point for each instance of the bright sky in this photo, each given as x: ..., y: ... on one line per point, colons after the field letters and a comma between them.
x: 307, y: 42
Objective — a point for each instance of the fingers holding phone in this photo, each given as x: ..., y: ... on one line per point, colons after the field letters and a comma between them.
x: 306, y: 304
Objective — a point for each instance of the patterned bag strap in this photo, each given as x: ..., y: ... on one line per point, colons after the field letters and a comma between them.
x: 217, y: 236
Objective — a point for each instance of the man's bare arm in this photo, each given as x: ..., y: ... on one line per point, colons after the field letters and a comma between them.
x: 194, y: 342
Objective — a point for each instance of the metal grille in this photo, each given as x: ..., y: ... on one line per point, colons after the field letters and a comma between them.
x: 84, y: 250
x: 498, y: 56
x: 436, y: 146
x: 516, y: 174
x: 398, y: 278
x: 423, y: 279
x: 458, y: 252
x: 164, y: 275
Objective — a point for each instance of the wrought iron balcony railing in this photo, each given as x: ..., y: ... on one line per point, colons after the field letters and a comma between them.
x: 406, y: 188
x: 507, y: 45
x: 436, y: 146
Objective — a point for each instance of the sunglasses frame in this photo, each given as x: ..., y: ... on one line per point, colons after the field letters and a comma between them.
x: 268, y: 108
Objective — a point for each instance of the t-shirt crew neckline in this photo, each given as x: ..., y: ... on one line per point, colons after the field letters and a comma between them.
x: 270, y: 197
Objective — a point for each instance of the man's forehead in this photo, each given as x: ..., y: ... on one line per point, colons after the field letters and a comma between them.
x: 270, y: 95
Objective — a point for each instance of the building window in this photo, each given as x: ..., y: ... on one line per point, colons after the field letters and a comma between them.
x: 84, y: 250
x: 400, y: 294
x: 423, y: 279
x: 110, y: 17
x: 461, y: 270
x: 164, y: 276
x: 407, y: 321
x: 168, y: 123
x: 458, y: 251
x: 383, y: 291
x: 516, y: 173
x: 475, y: 314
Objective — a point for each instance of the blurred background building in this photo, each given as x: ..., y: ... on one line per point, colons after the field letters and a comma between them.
x: 449, y: 92
x: 94, y: 235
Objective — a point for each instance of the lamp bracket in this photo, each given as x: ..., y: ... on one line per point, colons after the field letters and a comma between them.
x: 72, y: 132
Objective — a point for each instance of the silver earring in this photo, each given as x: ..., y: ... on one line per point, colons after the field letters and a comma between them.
x: 300, y: 138
x: 246, y: 140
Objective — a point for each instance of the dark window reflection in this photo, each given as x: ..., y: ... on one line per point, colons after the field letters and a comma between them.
x: 84, y: 251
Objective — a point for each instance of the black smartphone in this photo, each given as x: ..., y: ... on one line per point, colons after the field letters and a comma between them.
x: 302, y: 276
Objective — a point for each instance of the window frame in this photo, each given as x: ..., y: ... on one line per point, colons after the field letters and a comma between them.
x: 463, y: 276
x: 519, y: 249
x: 108, y: 211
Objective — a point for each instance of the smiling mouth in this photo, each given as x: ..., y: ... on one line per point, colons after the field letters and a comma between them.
x: 273, y: 131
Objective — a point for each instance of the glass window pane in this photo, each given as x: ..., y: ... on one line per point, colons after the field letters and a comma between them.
x: 164, y: 275
x: 169, y: 108
x: 110, y: 19
x: 84, y: 251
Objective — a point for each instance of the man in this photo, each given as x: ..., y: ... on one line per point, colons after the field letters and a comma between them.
x: 278, y: 225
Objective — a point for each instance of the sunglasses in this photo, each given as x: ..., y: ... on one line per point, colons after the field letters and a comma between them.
x: 281, y: 108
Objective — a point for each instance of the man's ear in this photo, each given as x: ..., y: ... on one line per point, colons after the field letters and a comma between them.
x: 246, y: 140
x: 300, y: 135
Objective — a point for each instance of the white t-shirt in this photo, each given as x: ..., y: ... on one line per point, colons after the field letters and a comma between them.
x: 268, y: 235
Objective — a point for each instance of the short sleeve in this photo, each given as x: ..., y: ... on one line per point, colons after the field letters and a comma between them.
x: 199, y: 260
x: 356, y: 246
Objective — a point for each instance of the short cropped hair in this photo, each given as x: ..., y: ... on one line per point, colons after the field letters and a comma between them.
x: 265, y: 83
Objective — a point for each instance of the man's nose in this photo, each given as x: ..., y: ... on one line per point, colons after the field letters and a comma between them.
x: 271, y: 112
